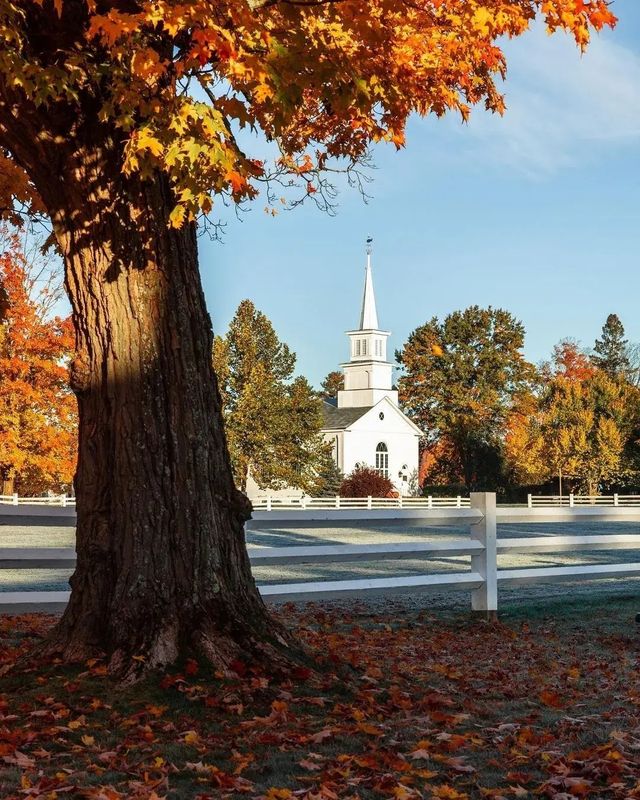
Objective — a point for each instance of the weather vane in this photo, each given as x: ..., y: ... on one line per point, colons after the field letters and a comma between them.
x: 369, y: 245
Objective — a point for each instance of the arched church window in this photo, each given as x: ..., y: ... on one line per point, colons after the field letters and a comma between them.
x: 364, y: 347
x: 382, y: 459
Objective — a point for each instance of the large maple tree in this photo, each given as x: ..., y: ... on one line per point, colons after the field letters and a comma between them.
x: 120, y: 121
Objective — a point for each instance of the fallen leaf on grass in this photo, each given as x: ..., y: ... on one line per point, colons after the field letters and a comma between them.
x: 551, y: 699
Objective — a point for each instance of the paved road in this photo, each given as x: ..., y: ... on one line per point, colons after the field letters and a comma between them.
x: 53, y: 533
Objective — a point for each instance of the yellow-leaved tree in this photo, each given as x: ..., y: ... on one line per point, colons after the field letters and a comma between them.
x: 118, y: 121
x: 574, y: 430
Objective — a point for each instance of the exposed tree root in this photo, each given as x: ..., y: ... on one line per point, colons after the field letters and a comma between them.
x: 268, y: 646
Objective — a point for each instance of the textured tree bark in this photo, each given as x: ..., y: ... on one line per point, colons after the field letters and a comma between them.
x: 162, y: 564
x: 162, y: 568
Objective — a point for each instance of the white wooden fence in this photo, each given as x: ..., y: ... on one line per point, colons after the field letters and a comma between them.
x: 482, y: 545
x: 47, y: 500
x: 572, y: 500
x: 275, y: 503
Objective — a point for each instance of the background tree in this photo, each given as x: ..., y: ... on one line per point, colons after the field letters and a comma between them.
x: 611, y: 350
x: 524, y: 443
x: 569, y: 360
x: 38, y: 420
x: 461, y: 378
x: 366, y: 481
x: 272, y: 420
x: 332, y: 384
x: 575, y: 429
x: 330, y: 478
x: 582, y: 430
x: 118, y: 121
x: 633, y: 354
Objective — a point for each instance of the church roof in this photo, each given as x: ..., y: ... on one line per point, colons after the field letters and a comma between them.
x: 340, y: 418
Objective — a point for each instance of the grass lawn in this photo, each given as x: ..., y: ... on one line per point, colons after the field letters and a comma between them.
x: 406, y: 704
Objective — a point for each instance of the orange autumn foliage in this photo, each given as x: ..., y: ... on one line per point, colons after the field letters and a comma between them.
x: 324, y: 79
x: 37, y: 409
x: 571, y: 362
x: 410, y: 702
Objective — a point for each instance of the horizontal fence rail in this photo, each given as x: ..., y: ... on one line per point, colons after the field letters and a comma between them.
x: 274, y: 503
x: 482, y: 545
x: 572, y: 500
x: 271, y: 502
x: 48, y: 500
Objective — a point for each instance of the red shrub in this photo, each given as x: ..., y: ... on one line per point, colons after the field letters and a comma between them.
x: 366, y: 481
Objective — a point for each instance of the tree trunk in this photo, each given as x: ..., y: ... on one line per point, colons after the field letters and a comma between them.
x: 8, y: 482
x: 162, y: 568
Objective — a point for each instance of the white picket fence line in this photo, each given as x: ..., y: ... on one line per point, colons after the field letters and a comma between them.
x: 271, y: 502
x: 275, y: 503
x: 482, y: 545
x: 47, y: 500
x: 572, y: 500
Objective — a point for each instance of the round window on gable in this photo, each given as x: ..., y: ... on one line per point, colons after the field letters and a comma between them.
x: 381, y: 415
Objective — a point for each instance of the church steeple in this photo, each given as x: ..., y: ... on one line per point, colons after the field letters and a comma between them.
x: 367, y: 375
x: 368, y: 313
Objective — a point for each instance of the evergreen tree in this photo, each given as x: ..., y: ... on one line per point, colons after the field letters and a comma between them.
x: 272, y: 421
x: 332, y: 384
x: 611, y: 353
x: 461, y: 379
x: 329, y: 478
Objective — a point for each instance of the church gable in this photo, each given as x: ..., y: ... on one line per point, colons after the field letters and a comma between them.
x: 385, y: 417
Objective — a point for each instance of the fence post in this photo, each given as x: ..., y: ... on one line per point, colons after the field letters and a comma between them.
x: 268, y: 502
x: 571, y: 500
x: 529, y: 501
x: 400, y: 501
x: 485, y: 598
x: 64, y: 500
x: 615, y: 499
x: 429, y: 502
x: 15, y: 500
x: 337, y: 501
x: 458, y: 501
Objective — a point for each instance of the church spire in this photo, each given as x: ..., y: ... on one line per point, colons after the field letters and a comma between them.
x: 367, y: 374
x: 368, y: 314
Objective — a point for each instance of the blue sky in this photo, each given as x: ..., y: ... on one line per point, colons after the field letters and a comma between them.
x: 537, y: 212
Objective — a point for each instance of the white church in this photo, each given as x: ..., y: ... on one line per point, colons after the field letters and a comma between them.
x: 365, y: 423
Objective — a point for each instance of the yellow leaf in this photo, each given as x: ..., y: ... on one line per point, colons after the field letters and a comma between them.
x: 481, y: 21
x: 176, y: 217
x: 191, y: 737
x: 146, y: 141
